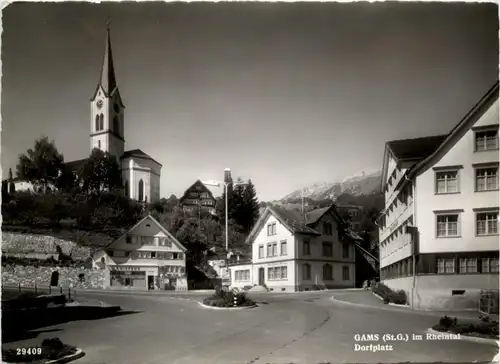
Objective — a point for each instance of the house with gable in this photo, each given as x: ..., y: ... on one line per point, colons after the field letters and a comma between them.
x: 146, y: 257
x: 198, y: 198
x: 298, y: 252
x: 439, y: 230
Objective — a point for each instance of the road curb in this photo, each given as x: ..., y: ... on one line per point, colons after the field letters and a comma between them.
x: 467, y: 337
x: 227, y: 308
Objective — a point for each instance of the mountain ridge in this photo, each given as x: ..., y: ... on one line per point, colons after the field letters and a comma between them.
x: 363, y: 183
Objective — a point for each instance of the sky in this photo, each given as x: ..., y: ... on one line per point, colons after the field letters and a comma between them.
x: 285, y: 94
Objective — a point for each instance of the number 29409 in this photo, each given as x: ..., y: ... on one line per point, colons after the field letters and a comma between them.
x: 29, y: 351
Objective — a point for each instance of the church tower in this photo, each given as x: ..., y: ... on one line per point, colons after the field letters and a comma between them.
x: 107, y: 109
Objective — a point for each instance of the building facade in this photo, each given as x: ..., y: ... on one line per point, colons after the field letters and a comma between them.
x: 140, y: 172
x: 439, y: 231
x: 198, y: 198
x: 146, y: 257
x: 355, y: 214
x: 291, y: 253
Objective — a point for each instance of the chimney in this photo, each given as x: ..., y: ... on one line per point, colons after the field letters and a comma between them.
x: 227, y: 175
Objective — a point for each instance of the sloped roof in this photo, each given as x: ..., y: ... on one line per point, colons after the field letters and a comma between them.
x: 292, y: 220
x: 138, y: 154
x: 197, y: 183
x: 313, y: 216
x: 162, y: 228
x: 416, y: 148
x: 77, y: 165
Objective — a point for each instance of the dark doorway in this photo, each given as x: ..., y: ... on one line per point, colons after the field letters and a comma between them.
x: 54, y: 279
x: 151, y: 282
x: 261, y: 276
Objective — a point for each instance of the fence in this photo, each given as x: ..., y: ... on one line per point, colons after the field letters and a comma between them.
x: 41, y: 290
x: 488, y: 302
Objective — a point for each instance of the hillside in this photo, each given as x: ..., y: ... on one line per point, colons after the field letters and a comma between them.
x: 362, y: 184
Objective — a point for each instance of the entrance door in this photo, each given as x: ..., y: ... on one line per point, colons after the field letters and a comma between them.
x: 261, y: 276
x: 54, y: 279
x: 151, y: 282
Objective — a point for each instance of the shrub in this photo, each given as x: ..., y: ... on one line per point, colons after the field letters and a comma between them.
x: 227, y: 300
x: 446, y: 321
x: 398, y: 297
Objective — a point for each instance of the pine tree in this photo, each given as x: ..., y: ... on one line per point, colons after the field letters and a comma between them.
x: 250, y: 207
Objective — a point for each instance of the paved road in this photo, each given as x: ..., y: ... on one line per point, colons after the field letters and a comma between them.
x: 290, y: 328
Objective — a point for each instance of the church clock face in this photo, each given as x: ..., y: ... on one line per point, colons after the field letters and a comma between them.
x: 99, y: 104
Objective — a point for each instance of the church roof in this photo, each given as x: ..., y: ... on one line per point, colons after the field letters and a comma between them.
x: 77, y: 165
x: 108, y: 79
x: 137, y: 153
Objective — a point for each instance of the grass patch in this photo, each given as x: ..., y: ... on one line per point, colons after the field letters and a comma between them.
x: 484, y: 327
x: 51, y: 349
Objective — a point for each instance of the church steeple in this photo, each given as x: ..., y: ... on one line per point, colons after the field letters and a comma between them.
x: 108, y: 79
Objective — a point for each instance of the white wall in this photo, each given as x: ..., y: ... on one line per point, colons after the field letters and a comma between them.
x: 282, y: 234
x: 240, y: 284
x: 146, y: 170
x: 461, y: 154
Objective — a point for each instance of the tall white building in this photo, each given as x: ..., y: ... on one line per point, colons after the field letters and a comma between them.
x: 439, y: 231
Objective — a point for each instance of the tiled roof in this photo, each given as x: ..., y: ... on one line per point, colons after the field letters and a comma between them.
x: 138, y: 153
x: 293, y: 220
x: 314, y: 215
x: 77, y: 165
x: 415, y: 149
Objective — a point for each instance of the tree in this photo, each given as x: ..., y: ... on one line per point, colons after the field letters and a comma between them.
x: 67, y: 181
x: 250, y: 207
x: 101, y: 172
x: 41, y: 165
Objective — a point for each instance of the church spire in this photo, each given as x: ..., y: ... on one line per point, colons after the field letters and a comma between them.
x: 108, y: 79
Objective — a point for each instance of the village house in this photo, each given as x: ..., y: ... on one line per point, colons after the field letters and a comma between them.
x: 146, y: 257
x: 439, y: 230
x: 198, y: 198
x: 295, y: 252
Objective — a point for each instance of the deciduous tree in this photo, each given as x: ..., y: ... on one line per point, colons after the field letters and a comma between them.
x: 41, y: 165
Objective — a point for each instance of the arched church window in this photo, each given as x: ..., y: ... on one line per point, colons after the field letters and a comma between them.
x: 115, y: 125
x: 97, y: 123
x: 141, y: 190
x: 101, y: 122
x: 126, y: 189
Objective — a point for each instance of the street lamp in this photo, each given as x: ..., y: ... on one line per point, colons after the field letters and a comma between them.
x: 226, y: 184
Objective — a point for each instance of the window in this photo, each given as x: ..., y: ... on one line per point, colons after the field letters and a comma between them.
x: 327, y: 229
x: 175, y: 256
x: 101, y: 122
x: 487, y: 223
x: 345, y: 273
x: 99, y: 144
x: 447, y: 226
x: 345, y: 250
x: 261, y: 251
x: 306, y: 271
x: 327, y: 272
x: 269, y: 250
x: 487, y: 179
x: 327, y: 250
x: 129, y: 239
x: 276, y: 273
x: 468, y: 265
x: 275, y: 250
x: 446, y: 265
x: 306, y: 247
x: 242, y: 275
x: 486, y: 140
x: 115, y: 125
x: 97, y: 123
x: 148, y: 240
x: 126, y: 189
x: 271, y: 229
x: 447, y: 182
x: 489, y: 265
x: 283, y: 248
x: 141, y: 190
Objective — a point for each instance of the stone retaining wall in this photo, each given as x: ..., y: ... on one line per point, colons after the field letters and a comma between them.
x: 21, y: 243
x: 27, y: 276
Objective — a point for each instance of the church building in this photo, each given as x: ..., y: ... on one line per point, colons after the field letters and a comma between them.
x: 140, y: 172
